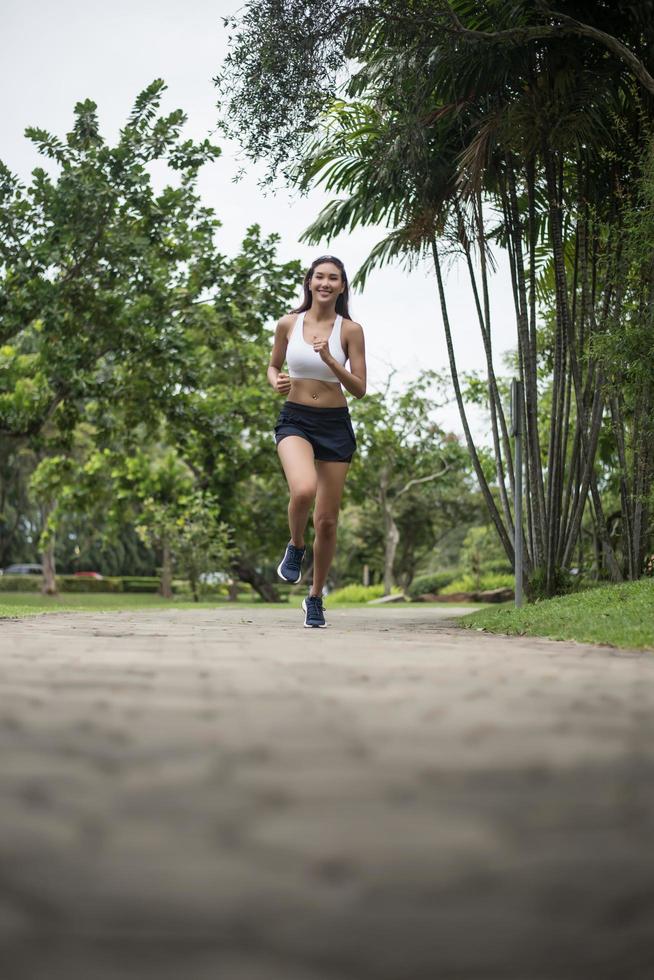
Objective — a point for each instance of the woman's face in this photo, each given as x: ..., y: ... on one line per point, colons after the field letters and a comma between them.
x: 326, y: 283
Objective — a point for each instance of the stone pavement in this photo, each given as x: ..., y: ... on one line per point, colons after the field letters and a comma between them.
x: 223, y: 795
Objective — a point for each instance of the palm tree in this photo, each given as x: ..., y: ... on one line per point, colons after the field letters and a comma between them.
x: 443, y: 134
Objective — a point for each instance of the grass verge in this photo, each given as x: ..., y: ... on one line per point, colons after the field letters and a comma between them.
x: 14, y: 605
x: 20, y: 604
x: 618, y: 615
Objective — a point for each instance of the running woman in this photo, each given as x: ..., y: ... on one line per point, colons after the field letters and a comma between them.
x: 314, y: 434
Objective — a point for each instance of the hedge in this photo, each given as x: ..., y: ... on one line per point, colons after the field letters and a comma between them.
x: 141, y: 583
x: 73, y: 583
x: 116, y: 583
x: 20, y: 583
x: 432, y: 582
x: 486, y: 582
x: 356, y: 593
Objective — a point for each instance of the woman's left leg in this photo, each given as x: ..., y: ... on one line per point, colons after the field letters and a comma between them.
x: 331, y: 480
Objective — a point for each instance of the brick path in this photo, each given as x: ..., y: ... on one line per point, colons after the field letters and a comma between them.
x: 226, y: 796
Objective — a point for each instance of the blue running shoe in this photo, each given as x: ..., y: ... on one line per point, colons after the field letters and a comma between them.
x: 290, y: 567
x: 314, y: 615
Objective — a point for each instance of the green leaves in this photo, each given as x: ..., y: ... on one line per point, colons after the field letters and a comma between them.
x: 106, y: 267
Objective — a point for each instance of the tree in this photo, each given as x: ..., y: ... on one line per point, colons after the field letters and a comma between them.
x: 456, y: 109
x: 187, y: 530
x: 283, y: 69
x: 119, y: 313
x: 97, y: 273
x: 17, y: 511
x: 96, y: 269
x: 402, y: 455
x: 220, y: 418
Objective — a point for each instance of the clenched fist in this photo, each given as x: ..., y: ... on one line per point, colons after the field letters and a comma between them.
x: 283, y: 384
x: 322, y: 347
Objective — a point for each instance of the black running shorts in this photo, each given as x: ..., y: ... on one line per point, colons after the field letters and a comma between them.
x: 329, y: 430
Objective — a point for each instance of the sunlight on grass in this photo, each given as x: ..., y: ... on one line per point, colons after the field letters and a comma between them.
x: 618, y: 615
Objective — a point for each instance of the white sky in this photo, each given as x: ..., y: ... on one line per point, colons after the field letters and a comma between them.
x: 54, y: 54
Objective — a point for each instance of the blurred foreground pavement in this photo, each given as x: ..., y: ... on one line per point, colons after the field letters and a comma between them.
x: 224, y: 795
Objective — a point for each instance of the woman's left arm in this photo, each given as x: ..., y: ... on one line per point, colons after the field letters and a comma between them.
x: 355, y: 379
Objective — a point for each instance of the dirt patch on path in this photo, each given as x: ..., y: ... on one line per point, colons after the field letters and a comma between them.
x: 225, y: 794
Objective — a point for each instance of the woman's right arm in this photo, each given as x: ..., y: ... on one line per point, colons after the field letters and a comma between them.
x: 276, y: 378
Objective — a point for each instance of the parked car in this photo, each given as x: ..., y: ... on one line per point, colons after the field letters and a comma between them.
x: 23, y: 570
x: 87, y: 575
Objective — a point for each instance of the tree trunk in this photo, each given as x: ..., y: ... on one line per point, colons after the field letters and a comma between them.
x: 391, y: 539
x: 564, y: 361
x: 626, y: 496
x: 533, y: 455
x: 391, y: 532
x: 483, y: 483
x: 166, y: 587
x: 643, y: 439
x: 49, y: 583
x: 494, y: 401
x: 244, y: 570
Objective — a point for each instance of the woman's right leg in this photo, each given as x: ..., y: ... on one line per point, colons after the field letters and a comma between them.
x: 296, y: 455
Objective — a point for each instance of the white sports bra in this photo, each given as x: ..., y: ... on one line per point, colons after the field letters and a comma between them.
x: 302, y: 360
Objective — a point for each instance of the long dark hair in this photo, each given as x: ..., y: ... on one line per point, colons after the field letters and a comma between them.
x: 343, y: 299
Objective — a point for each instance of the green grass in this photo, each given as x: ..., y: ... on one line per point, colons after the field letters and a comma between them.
x: 617, y: 615
x: 21, y: 604
x: 13, y: 604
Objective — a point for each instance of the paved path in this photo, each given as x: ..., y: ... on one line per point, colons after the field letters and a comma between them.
x: 226, y: 796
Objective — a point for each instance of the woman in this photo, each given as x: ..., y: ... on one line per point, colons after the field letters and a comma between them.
x: 314, y: 434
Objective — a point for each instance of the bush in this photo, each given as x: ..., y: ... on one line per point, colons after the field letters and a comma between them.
x: 65, y: 583
x: 357, y: 593
x: 72, y: 583
x: 487, y: 581
x: 501, y: 566
x: 481, y: 553
x: 563, y: 583
x: 141, y: 583
x: 432, y: 582
x: 20, y: 583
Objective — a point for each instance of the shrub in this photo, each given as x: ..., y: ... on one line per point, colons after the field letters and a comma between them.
x: 501, y: 566
x: 432, y: 582
x: 141, y: 583
x: 65, y: 583
x: 72, y: 583
x: 487, y: 581
x: 357, y: 593
x: 563, y: 583
x: 20, y: 583
x: 481, y: 553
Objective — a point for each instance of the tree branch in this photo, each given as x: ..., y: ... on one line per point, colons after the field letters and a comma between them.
x: 567, y: 26
x: 422, y: 479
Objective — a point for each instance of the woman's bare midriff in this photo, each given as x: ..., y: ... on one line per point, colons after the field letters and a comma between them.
x: 323, y: 394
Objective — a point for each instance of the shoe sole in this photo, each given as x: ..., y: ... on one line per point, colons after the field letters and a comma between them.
x: 318, y: 626
x: 293, y: 581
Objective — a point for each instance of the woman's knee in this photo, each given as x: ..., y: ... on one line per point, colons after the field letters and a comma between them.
x: 303, y: 492
x: 325, y: 523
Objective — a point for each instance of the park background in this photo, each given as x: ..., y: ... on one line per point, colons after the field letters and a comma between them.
x: 130, y: 474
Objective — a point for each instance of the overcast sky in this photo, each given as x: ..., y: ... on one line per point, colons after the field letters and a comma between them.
x: 57, y: 53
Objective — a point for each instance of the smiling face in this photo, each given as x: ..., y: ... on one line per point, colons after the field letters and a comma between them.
x: 326, y: 283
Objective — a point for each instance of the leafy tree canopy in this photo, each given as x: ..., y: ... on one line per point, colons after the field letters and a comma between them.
x: 98, y: 272
x: 289, y: 60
